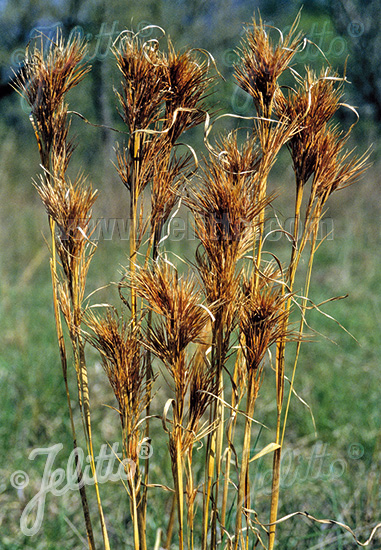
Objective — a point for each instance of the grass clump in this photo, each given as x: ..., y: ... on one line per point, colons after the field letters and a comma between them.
x: 237, y: 317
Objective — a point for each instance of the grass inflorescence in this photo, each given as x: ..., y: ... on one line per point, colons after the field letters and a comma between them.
x: 237, y: 317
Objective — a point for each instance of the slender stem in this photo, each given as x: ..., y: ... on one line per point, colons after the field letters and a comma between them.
x: 301, y: 326
x: 171, y: 523
x: 280, y: 367
x: 180, y: 492
x: 215, y: 439
x: 209, y: 471
x: 142, y: 509
x: 135, y: 149
x: 134, y: 193
x: 134, y: 515
x: 62, y: 348
x: 86, y: 402
x: 81, y: 369
x: 219, y: 440
x: 229, y: 450
x: 242, y: 484
x: 264, y: 131
x: 294, y: 252
x: 257, y: 252
x: 190, y: 493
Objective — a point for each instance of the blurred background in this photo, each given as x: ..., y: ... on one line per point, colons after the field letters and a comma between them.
x: 333, y: 473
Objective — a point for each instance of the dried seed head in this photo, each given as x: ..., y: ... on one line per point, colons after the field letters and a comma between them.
x: 336, y: 168
x: 188, y: 85
x: 69, y: 206
x: 178, y: 303
x: 226, y: 207
x: 144, y: 83
x: 202, y: 389
x: 261, y: 315
x: 262, y: 62
x: 226, y: 203
x: 169, y: 173
x: 118, y: 344
x: 313, y: 104
x: 47, y: 75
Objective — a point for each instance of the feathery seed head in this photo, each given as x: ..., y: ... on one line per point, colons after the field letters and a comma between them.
x: 261, y: 315
x: 262, y: 62
x: 144, y: 83
x: 336, y: 168
x: 313, y: 104
x: 188, y: 85
x: 118, y: 345
x: 226, y: 203
x: 69, y: 206
x: 45, y: 79
x: 178, y: 303
x: 226, y: 206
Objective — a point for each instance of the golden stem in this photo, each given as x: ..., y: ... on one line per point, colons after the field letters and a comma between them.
x: 62, y: 348
x: 301, y: 326
x: 242, y: 488
x: 280, y: 367
x: 229, y: 450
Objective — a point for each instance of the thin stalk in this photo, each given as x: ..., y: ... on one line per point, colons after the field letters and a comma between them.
x: 209, y: 471
x: 214, y: 445
x: 179, y: 491
x: 134, y: 515
x: 81, y: 368
x: 257, y: 252
x: 134, y: 479
x: 294, y: 252
x: 190, y: 490
x: 86, y: 402
x: 175, y: 442
x: 264, y: 135
x: 62, y: 348
x: 229, y: 451
x: 171, y: 523
x: 135, y: 148
x: 219, y: 440
x: 280, y: 367
x: 133, y: 215
x: 142, y: 522
x: 301, y: 326
x: 242, y: 488
x: 142, y: 508
x: 275, y: 491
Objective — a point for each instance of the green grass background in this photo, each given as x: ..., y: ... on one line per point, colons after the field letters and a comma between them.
x: 340, y: 381
x: 331, y: 474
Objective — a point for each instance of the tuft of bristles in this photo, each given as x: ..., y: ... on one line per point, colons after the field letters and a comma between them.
x: 117, y: 344
x: 261, y: 315
x: 178, y: 302
x: 312, y: 105
x: 48, y: 74
x: 262, y: 62
x: 69, y: 205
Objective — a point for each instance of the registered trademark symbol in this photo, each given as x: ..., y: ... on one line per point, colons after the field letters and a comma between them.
x: 355, y: 451
x: 145, y: 450
x: 355, y: 29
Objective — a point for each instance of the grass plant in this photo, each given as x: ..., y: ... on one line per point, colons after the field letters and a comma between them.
x: 46, y: 78
x: 236, y: 317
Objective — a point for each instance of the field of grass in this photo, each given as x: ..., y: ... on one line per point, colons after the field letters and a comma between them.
x: 333, y: 474
x: 332, y: 450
